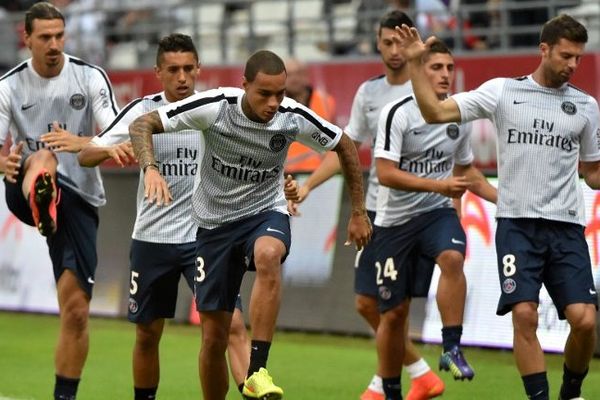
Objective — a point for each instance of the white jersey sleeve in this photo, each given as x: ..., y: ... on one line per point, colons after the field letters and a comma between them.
x: 358, y: 127
x: 590, y: 137
x: 388, y: 143
x: 313, y: 131
x: 118, y: 131
x: 5, y: 110
x: 197, y: 112
x: 481, y: 102
x: 103, y: 99
x: 464, y: 151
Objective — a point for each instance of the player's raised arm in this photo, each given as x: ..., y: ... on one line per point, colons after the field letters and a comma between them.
x: 141, y: 131
x: 433, y: 109
x: 359, y: 227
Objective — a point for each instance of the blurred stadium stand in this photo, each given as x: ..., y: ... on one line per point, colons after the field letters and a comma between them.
x: 121, y: 34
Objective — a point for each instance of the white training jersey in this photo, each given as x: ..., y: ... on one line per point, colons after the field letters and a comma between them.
x: 542, y: 132
x: 427, y: 151
x: 241, y: 171
x: 370, y: 98
x: 177, y: 155
x: 80, y: 94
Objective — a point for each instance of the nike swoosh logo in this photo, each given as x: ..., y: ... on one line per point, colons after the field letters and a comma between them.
x: 90, y: 280
x: 417, y: 132
x: 255, y: 348
x: 269, y: 229
x: 592, y: 292
x: 27, y: 106
x: 456, y: 241
x: 518, y: 102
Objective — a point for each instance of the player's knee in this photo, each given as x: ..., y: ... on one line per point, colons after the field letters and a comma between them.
x: 451, y: 262
x: 147, y: 337
x: 396, y: 317
x: 366, y: 306
x: 75, y: 317
x: 267, y: 256
x: 214, y: 344
x: 584, y: 322
x: 525, y: 318
x: 43, y: 156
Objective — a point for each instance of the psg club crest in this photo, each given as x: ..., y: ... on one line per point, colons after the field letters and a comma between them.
x: 452, y: 131
x: 133, y: 306
x: 277, y: 142
x: 384, y: 293
x: 77, y: 101
x: 509, y: 286
x: 568, y: 108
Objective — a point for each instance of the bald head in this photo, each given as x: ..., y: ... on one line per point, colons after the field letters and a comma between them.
x: 297, y: 78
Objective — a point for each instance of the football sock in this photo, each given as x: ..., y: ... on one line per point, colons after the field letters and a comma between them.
x: 418, y: 368
x: 392, y: 388
x: 376, y: 385
x: 65, y: 388
x: 536, y: 386
x: 571, y: 386
x: 451, y: 336
x: 258, y: 356
x: 145, y: 393
x: 241, y: 387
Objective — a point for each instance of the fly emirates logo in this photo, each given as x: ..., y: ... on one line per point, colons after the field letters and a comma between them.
x: 247, y: 170
x: 541, y: 134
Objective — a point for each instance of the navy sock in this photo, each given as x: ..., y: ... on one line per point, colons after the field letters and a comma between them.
x: 145, y: 393
x: 241, y: 387
x: 451, y: 336
x: 536, y: 386
x: 571, y: 385
x: 259, y: 354
x: 65, y: 388
x: 392, y: 388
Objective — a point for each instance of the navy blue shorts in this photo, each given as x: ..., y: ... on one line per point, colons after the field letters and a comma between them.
x: 154, y: 273
x: 532, y: 252
x: 406, y: 254
x: 364, y: 267
x: 226, y: 252
x: 73, y: 246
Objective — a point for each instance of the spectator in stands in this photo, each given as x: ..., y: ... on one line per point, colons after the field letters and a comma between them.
x: 298, y: 87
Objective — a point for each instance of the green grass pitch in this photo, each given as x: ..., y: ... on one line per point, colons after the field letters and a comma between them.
x: 306, y: 366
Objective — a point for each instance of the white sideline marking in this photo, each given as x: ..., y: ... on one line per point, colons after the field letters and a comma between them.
x: 10, y: 398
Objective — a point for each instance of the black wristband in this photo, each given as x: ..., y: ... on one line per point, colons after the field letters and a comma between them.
x: 153, y: 165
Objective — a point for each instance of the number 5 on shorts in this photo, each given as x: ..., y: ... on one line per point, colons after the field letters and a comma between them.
x: 200, y: 273
x: 134, y: 286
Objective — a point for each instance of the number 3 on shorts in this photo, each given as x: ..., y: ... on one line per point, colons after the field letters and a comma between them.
x: 509, y: 267
x: 200, y: 273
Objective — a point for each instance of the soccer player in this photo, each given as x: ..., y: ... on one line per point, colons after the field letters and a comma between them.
x: 164, y: 238
x: 49, y: 103
x: 545, y: 126
x: 368, y: 102
x: 420, y: 168
x: 240, y: 206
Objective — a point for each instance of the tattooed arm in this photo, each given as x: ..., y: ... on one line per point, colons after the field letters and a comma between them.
x: 359, y: 227
x: 141, y: 131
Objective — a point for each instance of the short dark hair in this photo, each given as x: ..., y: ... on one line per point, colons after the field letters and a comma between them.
x: 263, y: 61
x: 393, y: 19
x: 41, y: 10
x: 563, y: 27
x: 175, y: 42
x: 437, y: 46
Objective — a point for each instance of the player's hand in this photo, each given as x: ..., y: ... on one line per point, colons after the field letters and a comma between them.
x: 122, y: 154
x: 290, y: 188
x: 60, y: 140
x: 13, y: 163
x: 302, y: 193
x: 156, y: 189
x: 292, y: 208
x: 454, y: 187
x: 411, y: 45
x: 359, y: 230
